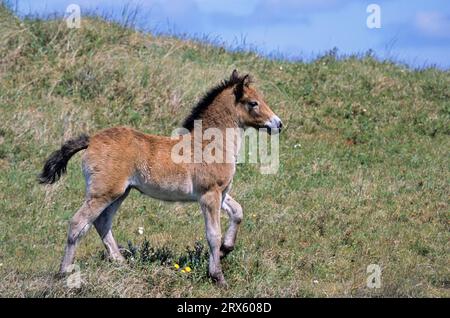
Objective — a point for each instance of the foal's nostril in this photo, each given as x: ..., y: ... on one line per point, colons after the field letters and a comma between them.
x: 280, y: 125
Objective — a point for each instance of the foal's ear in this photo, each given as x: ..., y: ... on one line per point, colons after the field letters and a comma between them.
x: 234, y: 76
x: 247, y: 80
x: 239, y: 88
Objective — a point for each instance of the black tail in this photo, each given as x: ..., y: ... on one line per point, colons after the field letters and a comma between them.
x: 56, y: 164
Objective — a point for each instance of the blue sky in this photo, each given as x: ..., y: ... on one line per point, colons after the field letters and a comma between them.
x: 413, y: 32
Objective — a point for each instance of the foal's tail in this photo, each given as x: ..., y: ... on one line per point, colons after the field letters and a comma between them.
x: 56, y: 164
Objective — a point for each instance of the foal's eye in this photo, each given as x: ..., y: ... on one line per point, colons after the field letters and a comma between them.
x: 253, y: 104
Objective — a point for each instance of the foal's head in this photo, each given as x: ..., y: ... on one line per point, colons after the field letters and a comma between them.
x: 242, y: 101
x: 251, y: 109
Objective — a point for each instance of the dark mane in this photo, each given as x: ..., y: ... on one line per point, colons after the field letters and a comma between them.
x: 207, y: 99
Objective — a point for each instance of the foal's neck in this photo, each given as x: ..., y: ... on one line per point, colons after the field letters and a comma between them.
x: 221, y: 113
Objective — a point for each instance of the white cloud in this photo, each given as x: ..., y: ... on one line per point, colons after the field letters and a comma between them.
x: 433, y: 24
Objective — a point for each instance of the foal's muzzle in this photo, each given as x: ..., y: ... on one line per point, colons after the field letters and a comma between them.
x: 273, y: 125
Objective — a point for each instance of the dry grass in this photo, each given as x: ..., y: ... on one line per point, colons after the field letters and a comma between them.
x: 363, y: 178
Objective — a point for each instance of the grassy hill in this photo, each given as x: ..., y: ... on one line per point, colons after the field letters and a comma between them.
x: 363, y: 179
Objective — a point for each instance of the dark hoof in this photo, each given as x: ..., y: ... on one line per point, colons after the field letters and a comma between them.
x: 222, y: 284
x: 218, y: 280
x: 61, y: 275
x: 225, y: 250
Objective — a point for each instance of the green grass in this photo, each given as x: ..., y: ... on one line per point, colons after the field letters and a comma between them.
x: 363, y: 178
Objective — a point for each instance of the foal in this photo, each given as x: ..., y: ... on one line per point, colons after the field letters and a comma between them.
x: 119, y: 159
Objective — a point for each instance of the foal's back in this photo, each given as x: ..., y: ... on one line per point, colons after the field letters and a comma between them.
x: 121, y: 157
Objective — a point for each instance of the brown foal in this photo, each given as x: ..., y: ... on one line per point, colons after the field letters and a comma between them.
x: 119, y: 159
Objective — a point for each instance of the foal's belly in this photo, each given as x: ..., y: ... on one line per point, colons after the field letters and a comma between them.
x: 166, y: 191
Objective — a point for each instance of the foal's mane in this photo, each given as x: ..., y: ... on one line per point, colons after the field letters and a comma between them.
x: 208, y: 98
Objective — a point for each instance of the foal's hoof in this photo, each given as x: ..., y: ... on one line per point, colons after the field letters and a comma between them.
x: 219, y: 280
x: 225, y: 250
x: 221, y: 283
x: 64, y: 271
x: 61, y: 275
x: 117, y: 258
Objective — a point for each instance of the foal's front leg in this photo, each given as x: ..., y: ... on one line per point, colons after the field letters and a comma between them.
x: 235, y: 214
x: 210, y: 204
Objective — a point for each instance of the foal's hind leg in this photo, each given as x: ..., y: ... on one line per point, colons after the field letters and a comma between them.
x: 78, y: 227
x: 235, y: 214
x: 103, y: 226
